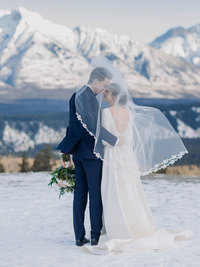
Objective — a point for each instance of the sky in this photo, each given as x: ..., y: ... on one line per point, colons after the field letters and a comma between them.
x: 142, y: 20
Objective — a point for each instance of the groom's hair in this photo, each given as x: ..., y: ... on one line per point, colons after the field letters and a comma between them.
x: 100, y: 74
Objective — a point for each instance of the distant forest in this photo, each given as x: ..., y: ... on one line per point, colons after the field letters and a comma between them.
x: 57, y: 117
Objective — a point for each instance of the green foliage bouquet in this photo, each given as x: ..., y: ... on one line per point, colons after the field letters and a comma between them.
x: 64, y: 176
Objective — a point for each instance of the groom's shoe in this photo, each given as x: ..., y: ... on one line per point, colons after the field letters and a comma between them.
x: 94, y: 241
x: 80, y: 243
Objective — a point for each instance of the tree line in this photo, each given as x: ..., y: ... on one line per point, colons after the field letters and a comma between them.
x: 43, y: 161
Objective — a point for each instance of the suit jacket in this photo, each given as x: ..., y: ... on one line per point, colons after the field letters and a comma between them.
x: 77, y: 140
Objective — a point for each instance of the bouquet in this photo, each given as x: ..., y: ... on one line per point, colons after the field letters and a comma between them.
x: 64, y: 176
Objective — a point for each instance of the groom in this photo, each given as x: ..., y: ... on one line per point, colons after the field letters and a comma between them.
x: 88, y: 168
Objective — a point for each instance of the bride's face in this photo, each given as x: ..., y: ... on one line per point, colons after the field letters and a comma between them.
x: 107, y: 95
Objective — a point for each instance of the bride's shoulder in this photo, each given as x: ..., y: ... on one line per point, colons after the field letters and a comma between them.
x: 105, y: 112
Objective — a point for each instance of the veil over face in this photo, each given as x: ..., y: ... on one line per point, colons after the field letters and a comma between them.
x: 154, y: 141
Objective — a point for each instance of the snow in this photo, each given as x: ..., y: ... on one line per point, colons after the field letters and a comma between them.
x: 4, y: 12
x: 19, y: 139
x: 37, y: 22
x: 196, y: 109
x: 36, y: 227
x: 181, y: 42
x: 46, y: 134
x: 22, y: 140
x: 186, y: 131
x: 173, y: 112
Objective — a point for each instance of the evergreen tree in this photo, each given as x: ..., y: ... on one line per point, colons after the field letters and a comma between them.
x: 24, y: 166
x: 44, y: 160
x: 162, y: 171
x: 2, y: 167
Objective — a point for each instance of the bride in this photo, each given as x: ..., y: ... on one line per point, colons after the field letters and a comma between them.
x: 122, y: 195
x: 147, y: 143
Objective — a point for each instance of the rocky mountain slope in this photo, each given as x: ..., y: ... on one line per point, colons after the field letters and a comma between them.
x: 36, y: 54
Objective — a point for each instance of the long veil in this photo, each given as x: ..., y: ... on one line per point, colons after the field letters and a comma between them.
x: 154, y: 142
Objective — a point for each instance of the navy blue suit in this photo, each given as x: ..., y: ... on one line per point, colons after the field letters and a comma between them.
x: 88, y: 168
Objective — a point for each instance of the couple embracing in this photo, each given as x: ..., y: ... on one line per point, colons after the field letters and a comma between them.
x: 112, y: 146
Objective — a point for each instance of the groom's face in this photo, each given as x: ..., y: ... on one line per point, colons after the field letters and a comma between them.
x: 100, y: 86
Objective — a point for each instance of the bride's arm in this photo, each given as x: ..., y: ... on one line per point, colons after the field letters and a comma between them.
x: 105, y: 124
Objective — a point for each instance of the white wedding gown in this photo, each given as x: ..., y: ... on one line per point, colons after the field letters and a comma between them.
x: 128, y: 220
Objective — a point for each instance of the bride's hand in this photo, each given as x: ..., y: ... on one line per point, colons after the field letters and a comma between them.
x: 120, y: 140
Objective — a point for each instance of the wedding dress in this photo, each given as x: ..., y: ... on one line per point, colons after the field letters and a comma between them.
x: 129, y: 223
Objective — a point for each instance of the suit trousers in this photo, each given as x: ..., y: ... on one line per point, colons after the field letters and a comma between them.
x: 88, y: 179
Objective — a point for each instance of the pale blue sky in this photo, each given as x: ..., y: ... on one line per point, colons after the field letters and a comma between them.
x: 143, y: 20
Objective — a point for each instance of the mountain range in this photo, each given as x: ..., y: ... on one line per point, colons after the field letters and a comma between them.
x: 38, y: 57
x: 28, y: 128
x: 182, y: 43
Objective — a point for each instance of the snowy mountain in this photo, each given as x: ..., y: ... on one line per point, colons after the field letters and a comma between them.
x: 19, y: 140
x: 181, y: 42
x: 27, y: 132
x: 38, y: 54
x: 4, y: 12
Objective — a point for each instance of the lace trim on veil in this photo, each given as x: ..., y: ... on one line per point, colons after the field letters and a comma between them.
x: 90, y: 133
x: 156, y: 168
x: 165, y: 163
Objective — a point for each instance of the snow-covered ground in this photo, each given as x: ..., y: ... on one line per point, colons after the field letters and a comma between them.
x: 36, y: 227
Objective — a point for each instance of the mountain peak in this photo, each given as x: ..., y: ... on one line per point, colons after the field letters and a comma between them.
x: 37, y: 53
x: 177, y: 31
x: 28, y: 15
x: 181, y: 42
x: 4, y: 12
x: 174, y: 32
x: 32, y: 18
x: 39, y: 24
x: 194, y: 29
